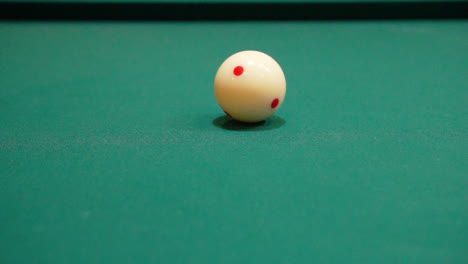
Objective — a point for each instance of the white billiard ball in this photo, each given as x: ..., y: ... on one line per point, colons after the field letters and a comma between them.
x: 250, y: 86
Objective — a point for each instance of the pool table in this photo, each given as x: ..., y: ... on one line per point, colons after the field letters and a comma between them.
x: 113, y: 148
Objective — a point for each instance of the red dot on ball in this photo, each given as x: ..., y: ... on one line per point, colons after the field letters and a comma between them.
x: 238, y: 70
x: 274, y: 103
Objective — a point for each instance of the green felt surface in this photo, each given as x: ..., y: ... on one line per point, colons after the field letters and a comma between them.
x: 113, y: 148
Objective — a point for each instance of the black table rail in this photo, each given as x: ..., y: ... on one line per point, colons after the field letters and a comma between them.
x: 233, y: 11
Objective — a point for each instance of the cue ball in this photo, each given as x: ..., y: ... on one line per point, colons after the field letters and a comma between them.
x: 250, y: 86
